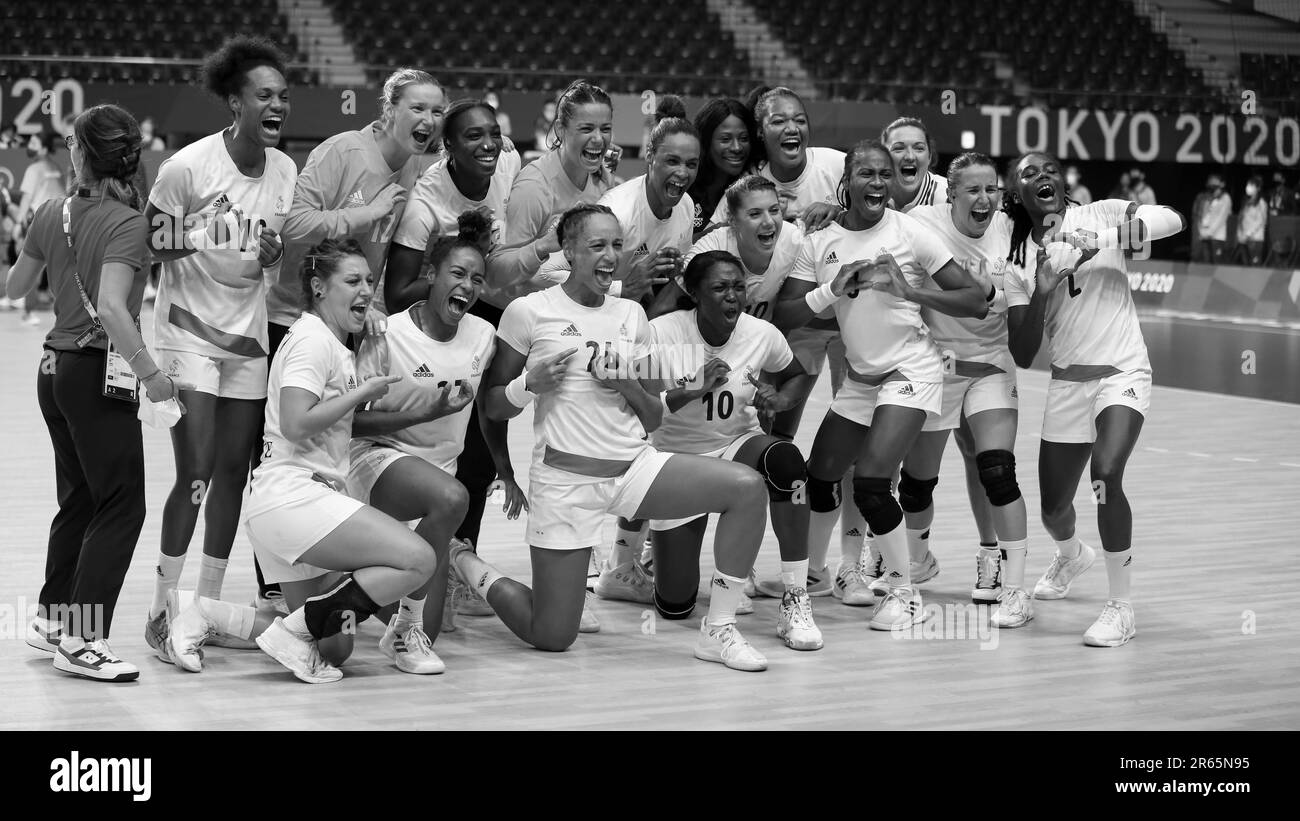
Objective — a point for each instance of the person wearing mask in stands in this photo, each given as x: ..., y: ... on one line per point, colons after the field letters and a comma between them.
x: 1252, y: 222
x: 1282, y: 198
x: 1075, y: 189
x: 1213, y: 221
x: 1139, y: 191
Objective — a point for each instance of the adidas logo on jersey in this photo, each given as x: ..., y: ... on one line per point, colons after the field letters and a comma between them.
x: 355, y: 200
x: 572, y: 330
x: 221, y: 200
x: 422, y: 372
x: 854, y: 532
x: 641, y: 250
x: 906, y: 389
x: 831, y: 259
x: 352, y: 382
x: 1129, y: 393
x: 1015, y: 392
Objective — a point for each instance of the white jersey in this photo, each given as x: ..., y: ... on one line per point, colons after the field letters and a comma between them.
x: 881, y: 332
x: 933, y: 191
x: 436, y: 202
x: 644, y: 234
x: 583, y: 428
x: 213, y: 301
x: 1092, y: 324
x: 761, y: 288
x: 720, y: 417
x: 977, y: 347
x: 426, y: 367
x: 820, y: 180
x: 311, y: 358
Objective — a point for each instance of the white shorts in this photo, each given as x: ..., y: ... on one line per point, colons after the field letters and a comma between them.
x: 368, y: 461
x: 857, y: 401
x: 729, y: 452
x: 281, y: 534
x: 1070, y: 415
x: 237, y: 378
x: 569, y: 515
x: 972, y: 394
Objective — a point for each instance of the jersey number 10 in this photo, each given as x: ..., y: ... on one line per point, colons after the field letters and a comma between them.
x: 724, y: 405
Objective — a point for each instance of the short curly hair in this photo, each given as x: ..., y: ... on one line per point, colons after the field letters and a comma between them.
x: 223, y: 72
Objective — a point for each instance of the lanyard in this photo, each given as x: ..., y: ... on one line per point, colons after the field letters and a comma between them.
x: 81, y: 289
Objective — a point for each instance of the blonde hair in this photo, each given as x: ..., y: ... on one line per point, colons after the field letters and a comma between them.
x: 398, y: 82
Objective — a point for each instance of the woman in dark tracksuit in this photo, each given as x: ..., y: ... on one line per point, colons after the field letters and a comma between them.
x: 93, y: 246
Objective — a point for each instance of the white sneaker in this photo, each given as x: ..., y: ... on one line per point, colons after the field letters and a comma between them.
x: 92, y: 660
x: 627, y: 582
x: 273, y: 601
x: 1115, y: 626
x: 899, y: 609
x: 411, y: 650
x: 795, y: 625
x: 469, y: 603
x: 1014, y: 608
x: 155, y: 629
x: 648, y: 557
x: 589, y: 622
x: 44, y: 635
x: 1062, y: 572
x: 725, y: 645
x: 33, y: 319
x: 988, y: 578
x: 300, y: 656
x: 819, y: 584
x: 874, y: 571
x: 187, y: 628
x: 744, y: 607
x: 851, y: 588
x: 925, y: 570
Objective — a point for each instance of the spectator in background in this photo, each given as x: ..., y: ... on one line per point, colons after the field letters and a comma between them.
x: 1251, y: 221
x: 9, y: 136
x: 1074, y: 187
x: 543, y: 129
x: 1141, y: 192
x: 503, y: 119
x: 42, y: 181
x: 1123, y: 190
x: 1213, y: 221
x: 1282, y: 198
x: 150, y: 140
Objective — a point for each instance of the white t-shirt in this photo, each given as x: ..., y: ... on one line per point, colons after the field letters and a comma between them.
x: 436, y: 202
x: 881, y: 332
x: 426, y: 367
x: 311, y: 358
x: 971, y: 342
x: 590, y: 425
x: 718, y: 418
x: 933, y: 191
x: 643, y: 233
x: 819, y: 182
x: 213, y: 301
x: 760, y: 289
x: 1092, y: 324
x: 42, y: 181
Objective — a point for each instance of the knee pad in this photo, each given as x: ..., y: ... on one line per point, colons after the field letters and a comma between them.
x: 877, y: 504
x: 783, y: 467
x: 346, y: 606
x: 915, y: 495
x: 674, y: 610
x: 823, y: 495
x: 998, y: 475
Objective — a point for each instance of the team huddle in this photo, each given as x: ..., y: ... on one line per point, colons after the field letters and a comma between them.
x: 365, y: 330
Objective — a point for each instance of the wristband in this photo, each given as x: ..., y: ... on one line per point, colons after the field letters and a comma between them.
x: 821, y: 298
x: 518, y: 393
x: 616, y: 288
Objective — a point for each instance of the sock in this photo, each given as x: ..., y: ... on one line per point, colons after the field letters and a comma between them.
x: 853, y: 530
x: 212, y: 572
x: 1014, y: 552
x: 918, y: 543
x: 296, y: 623
x: 627, y: 545
x: 477, y: 573
x: 820, y: 526
x: 409, y: 611
x: 794, y: 574
x: 169, y: 573
x: 1119, y: 571
x: 724, y: 598
x: 230, y: 619
x: 1069, y: 548
x: 893, y: 548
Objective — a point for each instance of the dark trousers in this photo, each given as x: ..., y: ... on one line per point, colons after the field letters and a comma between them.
x: 475, y: 468
x: 99, y: 470
x: 275, y: 335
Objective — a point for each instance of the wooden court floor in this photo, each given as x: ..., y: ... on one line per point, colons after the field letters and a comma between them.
x: 1215, y: 485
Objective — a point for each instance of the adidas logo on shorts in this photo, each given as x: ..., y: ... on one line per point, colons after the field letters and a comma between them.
x: 906, y: 389
x: 1129, y: 393
x: 641, y: 250
x: 422, y: 372
x: 831, y: 259
x: 1015, y: 392
x: 572, y: 330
